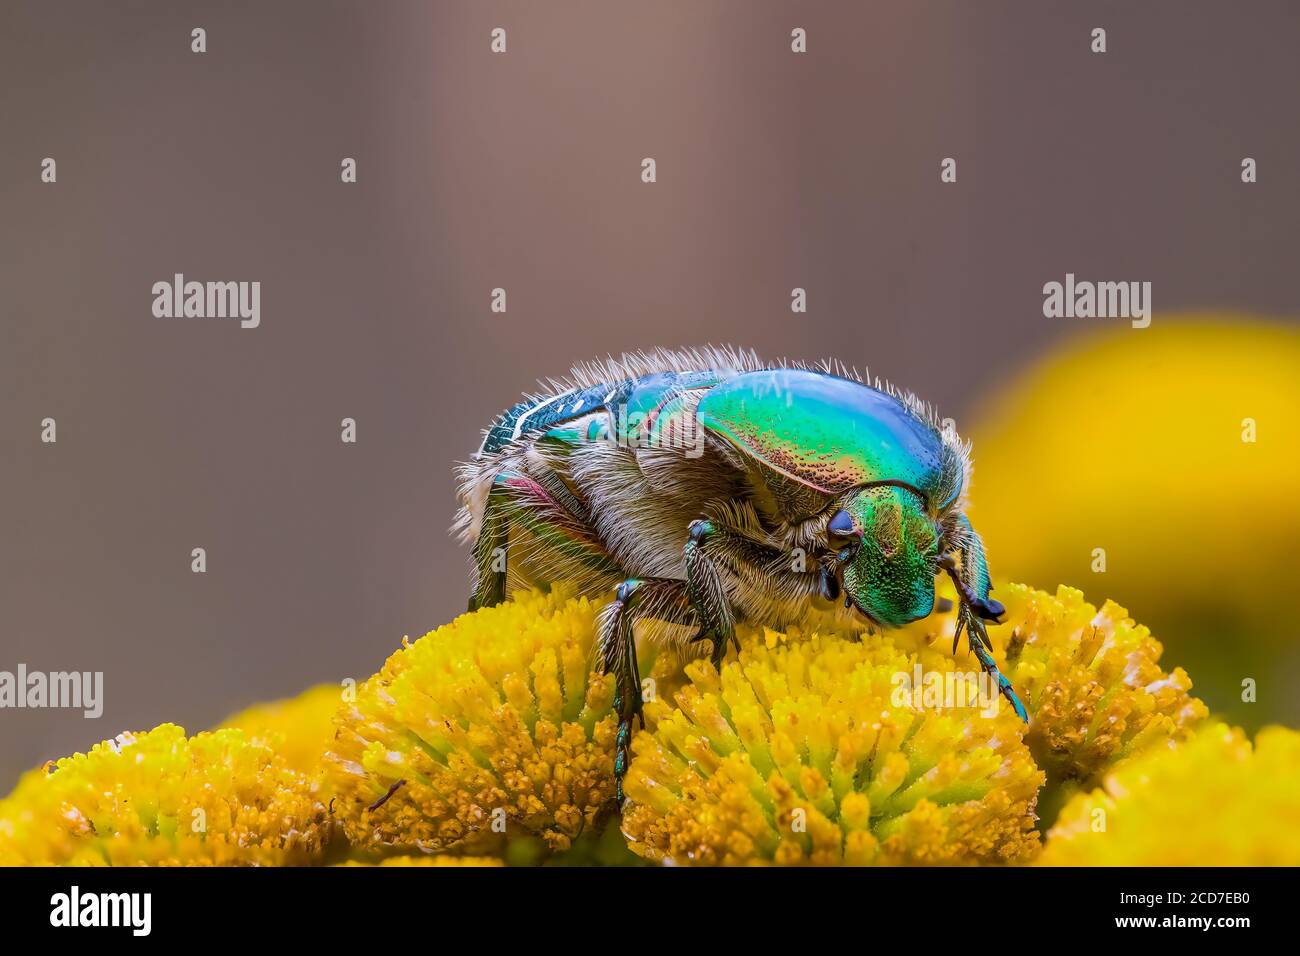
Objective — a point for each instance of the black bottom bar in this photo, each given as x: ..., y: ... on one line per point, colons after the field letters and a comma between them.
x: 383, y: 907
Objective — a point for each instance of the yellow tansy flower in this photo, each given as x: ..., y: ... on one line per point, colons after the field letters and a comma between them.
x: 160, y: 798
x: 1090, y: 679
x: 491, y: 728
x: 1211, y: 801
x: 300, y: 729
x: 1099, y: 694
x: 799, y: 753
x: 492, y: 737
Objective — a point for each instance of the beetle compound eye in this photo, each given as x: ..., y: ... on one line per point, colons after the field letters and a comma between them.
x: 839, y: 532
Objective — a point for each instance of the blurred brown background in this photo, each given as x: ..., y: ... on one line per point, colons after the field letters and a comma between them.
x: 521, y: 171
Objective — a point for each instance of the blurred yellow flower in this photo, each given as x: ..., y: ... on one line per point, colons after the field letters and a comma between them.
x: 799, y: 753
x: 299, y: 729
x: 489, y: 729
x: 1210, y: 801
x: 160, y: 798
x: 1163, y: 464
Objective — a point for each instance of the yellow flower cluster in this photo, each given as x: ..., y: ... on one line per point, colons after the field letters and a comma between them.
x: 161, y: 798
x: 799, y: 753
x: 489, y: 729
x: 1212, y: 800
x: 492, y: 737
x: 1091, y: 679
x: 1099, y: 692
x: 298, y: 729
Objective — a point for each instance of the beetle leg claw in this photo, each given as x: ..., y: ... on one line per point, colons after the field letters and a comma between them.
x: 719, y: 645
x: 982, y: 648
x: 635, y: 600
x: 618, y: 657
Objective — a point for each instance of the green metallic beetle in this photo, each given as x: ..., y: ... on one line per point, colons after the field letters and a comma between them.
x: 703, y: 488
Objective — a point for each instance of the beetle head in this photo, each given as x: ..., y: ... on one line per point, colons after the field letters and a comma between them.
x: 887, y: 546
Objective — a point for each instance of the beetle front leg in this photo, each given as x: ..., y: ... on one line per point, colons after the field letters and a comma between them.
x: 973, y: 585
x: 634, y: 600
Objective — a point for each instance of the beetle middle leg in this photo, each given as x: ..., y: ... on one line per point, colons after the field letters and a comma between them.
x: 635, y: 599
x: 705, y: 589
x: 710, y: 546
